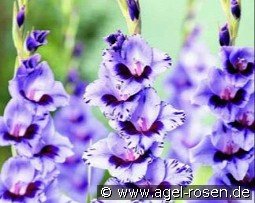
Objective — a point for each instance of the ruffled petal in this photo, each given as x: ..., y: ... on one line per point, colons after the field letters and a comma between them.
x: 132, y: 172
x: 135, y: 48
x: 170, y: 117
x: 178, y: 173
x: 160, y: 62
x: 98, y: 155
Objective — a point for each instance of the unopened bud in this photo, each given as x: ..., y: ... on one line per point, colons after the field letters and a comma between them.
x: 21, y: 16
x: 224, y: 36
x: 235, y: 9
x: 134, y: 10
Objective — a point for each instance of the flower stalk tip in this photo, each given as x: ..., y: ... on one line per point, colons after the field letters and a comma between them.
x: 131, y: 11
x: 232, y: 10
x: 21, y: 16
x: 236, y: 9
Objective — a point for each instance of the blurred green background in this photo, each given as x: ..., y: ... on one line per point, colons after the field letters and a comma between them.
x: 161, y: 27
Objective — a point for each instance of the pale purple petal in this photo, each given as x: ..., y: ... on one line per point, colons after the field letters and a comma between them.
x: 170, y: 117
x: 98, y: 155
x: 148, y: 110
x: 178, y: 173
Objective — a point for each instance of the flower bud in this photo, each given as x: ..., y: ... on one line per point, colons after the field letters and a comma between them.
x: 224, y: 36
x: 21, y: 16
x: 78, y: 50
x: 134, y: 10
x: 235, y: 9
x: 36, y: 39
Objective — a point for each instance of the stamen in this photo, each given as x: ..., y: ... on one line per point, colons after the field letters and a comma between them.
x: 19, y: 188
x: 138, y: 68
x: 227, y: 93
x: 142, y: 124
x: 17, y: 130
x: 130, y: 155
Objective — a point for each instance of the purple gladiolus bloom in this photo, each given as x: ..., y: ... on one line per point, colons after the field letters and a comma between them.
x: 161, y: 174
x: 180, y: 81
x: 77, y: 122
x: 134, y: 10
x: 222, y: 134
x: 21, y: 16
x: 189, y: 135
x: 53, y: 148
x: 224, y: 36
x: 20, y: 125
x: 135, y: 64
x: 222, y: 96
x: 238, y: 63
x: 38, y: 86
x: 78, y: 187
x: 193, y: 65
x: 20, y: 182
x: 112, y: 101
x: 112, y: 153
x: 36, y: 39
x: 223, y: 154
x: 235, y: 9
x: 150, y: 122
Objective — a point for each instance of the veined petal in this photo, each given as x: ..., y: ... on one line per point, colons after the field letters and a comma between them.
x: 136, y: 49
x: 160, y: 62
x: 98, y: 155
x: 170, y: 117
x: 178, y: 173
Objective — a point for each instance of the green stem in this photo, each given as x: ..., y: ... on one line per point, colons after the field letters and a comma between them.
x: 134, y: 26
x: 232, y: 21
x: 18, y: 40
x: 13, y: 150
x: 18, y: 33
x: 189, y: 20
x: 70, y: 30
